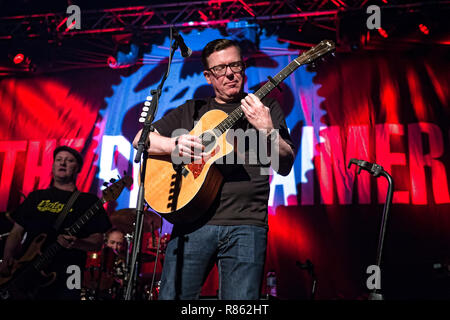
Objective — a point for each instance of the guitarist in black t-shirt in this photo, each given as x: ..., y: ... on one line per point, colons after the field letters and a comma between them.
x: 232, y: 231
x: 37, y: 215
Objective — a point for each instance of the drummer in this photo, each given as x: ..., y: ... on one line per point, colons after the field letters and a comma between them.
x: 113, y: 266
x: 114, y: 239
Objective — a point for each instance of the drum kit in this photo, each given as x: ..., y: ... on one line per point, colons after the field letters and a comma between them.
x: 106, y: 272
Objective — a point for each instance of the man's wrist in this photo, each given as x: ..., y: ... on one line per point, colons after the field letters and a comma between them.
x: 175, y: 144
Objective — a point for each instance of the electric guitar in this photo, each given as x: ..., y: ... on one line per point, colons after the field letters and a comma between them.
x: 27, y: 274
x: 182, y: 193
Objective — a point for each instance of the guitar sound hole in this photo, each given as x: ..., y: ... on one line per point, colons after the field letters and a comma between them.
x: 209, y: 140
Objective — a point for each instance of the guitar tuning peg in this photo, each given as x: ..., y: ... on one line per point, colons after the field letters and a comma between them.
x: 105, y: 184
x: 112, y: 180
x: 124, y: 173
x: 333, y: 54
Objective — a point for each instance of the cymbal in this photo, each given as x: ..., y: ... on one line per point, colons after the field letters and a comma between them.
x: 124, y: 219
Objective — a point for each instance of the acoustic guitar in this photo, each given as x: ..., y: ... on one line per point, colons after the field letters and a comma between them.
x: 182, y: 193
x: 28, y: 273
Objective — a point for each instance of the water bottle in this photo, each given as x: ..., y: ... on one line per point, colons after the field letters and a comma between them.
x: 271, y: 283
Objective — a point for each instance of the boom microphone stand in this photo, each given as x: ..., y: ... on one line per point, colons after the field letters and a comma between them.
x: 377, y: 171
x: 134, y: 266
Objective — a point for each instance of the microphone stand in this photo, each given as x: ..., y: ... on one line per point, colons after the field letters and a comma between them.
x: 141, y: 156
x: 377, y: 171
x: 308, y: 266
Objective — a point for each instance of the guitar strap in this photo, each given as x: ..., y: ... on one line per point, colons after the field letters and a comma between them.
x: 66, y: 209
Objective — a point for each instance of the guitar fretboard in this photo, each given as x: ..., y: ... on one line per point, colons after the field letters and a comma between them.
x: 43, y: 260
x: 76, y: 227
x: 237, y: 113
x: 322, y: 48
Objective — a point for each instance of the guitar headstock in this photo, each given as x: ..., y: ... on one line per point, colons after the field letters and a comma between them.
x: 324, y: 47
x: 113, y: 191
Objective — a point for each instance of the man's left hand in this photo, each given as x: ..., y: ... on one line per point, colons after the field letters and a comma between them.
x: 256, y: 112
x: 66, y: 241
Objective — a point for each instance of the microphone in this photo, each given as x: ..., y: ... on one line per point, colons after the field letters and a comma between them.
x: 185, y: 50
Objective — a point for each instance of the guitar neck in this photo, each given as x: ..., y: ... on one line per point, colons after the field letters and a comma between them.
x: 46, y: 257
x: 76, y: 227
x: 237, y: 113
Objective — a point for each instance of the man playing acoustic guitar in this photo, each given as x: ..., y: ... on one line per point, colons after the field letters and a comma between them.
x: 233, y: 230
x: 37, y: 215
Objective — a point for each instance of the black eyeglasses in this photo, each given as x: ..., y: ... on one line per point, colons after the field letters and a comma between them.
x: 221, y: 69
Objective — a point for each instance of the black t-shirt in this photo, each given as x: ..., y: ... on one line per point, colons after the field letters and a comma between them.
x: 244, y: 194
x: 38, y: 212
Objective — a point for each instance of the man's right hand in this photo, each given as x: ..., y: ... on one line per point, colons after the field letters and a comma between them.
x: 189, y: 146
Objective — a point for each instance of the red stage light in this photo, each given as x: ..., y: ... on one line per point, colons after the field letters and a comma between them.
x: 336, y: 3
x: 18, y: 58
x: 424, y: 28
x: 112, y: 62
x: 202, y: 15
x: 383, y: 33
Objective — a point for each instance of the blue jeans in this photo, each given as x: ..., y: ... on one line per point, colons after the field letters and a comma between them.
x: 238, y: 250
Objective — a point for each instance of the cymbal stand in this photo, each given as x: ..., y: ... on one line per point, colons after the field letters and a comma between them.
x: 128, y: 238
x: 151, y: 296
x: 377, y: 171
